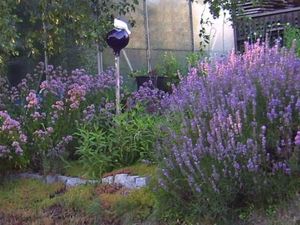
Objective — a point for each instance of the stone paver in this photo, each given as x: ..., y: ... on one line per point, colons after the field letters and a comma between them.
x: 125, y: 180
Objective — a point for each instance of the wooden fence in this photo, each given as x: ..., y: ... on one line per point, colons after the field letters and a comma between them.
x: 266, y: 24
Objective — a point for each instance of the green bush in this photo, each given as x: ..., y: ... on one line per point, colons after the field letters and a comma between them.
x: 291, y: 34
x: 193, y: 58
x: 169, y: 67
x: 130, y: 138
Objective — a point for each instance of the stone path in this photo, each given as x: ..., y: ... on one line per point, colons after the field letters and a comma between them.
x: 128, y: 181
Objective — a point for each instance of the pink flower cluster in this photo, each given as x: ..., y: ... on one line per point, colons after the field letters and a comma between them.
x: 12, y: 134
x: 23, y: 138
x: 76, y: 94
x: 8, y: 124
x: 38, y: 116
x: 43, y: 133
x: 32, y: 100
x: 44, y: 85
x: 58, y: 106
x: 18, y: 149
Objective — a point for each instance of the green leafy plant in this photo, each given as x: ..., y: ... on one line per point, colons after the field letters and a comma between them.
x: 292, y: 34
x: 94, y: 151
x: 9, y: 36
x: 168, y: 67
x: 135, y: 135
x: 138, y: 73
x: 193, y: 58
x: 130, y: 138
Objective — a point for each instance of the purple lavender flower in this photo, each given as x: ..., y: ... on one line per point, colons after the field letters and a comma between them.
x: 4, y: 151
x: 297, y: 138
x: 18, y: 149
x: 23, y: 138
x: 60, y: 147
x: 240, y: 117
x: 88, y: 113
x: 147, y: 96
x: 8, y: 123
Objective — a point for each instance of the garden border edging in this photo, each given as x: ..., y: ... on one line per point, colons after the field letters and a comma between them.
x: 126, y: 180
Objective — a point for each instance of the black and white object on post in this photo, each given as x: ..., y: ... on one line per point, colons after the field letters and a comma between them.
x: 117, y: 39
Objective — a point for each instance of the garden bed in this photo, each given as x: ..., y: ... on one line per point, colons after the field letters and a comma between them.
x: 27, y: 202
x: 221, y: 148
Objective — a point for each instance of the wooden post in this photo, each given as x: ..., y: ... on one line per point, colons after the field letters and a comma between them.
x: 99, y: 59
x: 191, y: 24
x: 45, y: 48
x: 117, y: 72
x: 127, y: 60
x: 147, y: 32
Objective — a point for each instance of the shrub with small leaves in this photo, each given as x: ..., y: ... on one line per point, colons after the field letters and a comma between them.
x: 231, y: 134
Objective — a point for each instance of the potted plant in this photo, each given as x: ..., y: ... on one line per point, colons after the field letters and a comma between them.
x: 163, y: 76
x: 157, y: 81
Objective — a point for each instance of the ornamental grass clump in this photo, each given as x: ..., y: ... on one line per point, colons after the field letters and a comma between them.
x: 232, y: 134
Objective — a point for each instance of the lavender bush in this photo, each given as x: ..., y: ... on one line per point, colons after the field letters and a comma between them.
x: 232, y: 133
x: 48, y: 114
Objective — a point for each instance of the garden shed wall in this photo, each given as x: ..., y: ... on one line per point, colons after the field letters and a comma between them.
x: 171, y: 24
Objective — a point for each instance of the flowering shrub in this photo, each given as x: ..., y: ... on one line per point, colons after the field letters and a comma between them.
x: 50, y: 113
x: 148, y: 97
x: 231, y: 133
x: 12, y: 140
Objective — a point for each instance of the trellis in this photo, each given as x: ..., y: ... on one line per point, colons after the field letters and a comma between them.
x: 266, y: 24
